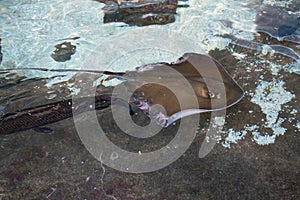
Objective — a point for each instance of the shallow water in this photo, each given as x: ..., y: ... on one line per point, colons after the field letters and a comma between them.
x: 257, y: 155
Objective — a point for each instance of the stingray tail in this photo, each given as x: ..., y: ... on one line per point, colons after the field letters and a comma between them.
x: 46, y: 114
x: 65, y: 70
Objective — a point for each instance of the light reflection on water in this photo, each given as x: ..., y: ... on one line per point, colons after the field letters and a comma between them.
x: 32, y: 29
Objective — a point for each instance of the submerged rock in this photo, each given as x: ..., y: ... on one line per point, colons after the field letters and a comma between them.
x: 289, y: 28
x: 63, y: 52
x: 137, y: 6
x: 140, y: 19
x: 140, y: 12
x: 279, y: 23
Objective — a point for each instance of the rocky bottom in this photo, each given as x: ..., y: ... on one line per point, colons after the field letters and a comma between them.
x: 57, y: 165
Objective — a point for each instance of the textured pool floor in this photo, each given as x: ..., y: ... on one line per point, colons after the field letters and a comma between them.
x: 57, y: 166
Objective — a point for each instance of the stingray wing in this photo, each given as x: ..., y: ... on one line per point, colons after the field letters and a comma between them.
x: 195, y: 83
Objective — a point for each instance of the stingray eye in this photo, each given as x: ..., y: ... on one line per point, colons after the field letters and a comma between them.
x: 211, y: 95
x: 205, y: 93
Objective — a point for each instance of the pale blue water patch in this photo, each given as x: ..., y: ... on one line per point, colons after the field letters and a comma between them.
x: 204, y: 21
x: 31, y: 29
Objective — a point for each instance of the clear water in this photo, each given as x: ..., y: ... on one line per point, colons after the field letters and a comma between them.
x: 31, y: 29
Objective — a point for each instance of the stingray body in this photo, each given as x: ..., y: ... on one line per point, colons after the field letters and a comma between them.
x: 196, y: 83
x: 208, y: 80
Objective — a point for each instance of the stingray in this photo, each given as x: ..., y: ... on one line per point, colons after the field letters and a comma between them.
x: 161, y: 85
x: 195, y: 83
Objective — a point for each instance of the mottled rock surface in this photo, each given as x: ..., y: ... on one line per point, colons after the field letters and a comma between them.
x: 140, y: 12
x: 58, y: 166
x: 63, y: 52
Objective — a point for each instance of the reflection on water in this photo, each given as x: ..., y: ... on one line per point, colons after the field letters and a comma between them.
x: 33, y: 29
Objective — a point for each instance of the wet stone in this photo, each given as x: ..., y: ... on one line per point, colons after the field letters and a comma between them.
x: 140, y: 12
x: 140, y: 19
x: 148, y: 6
x: 289, y: 28
x: 279, y: 23
x: 63, y: 52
